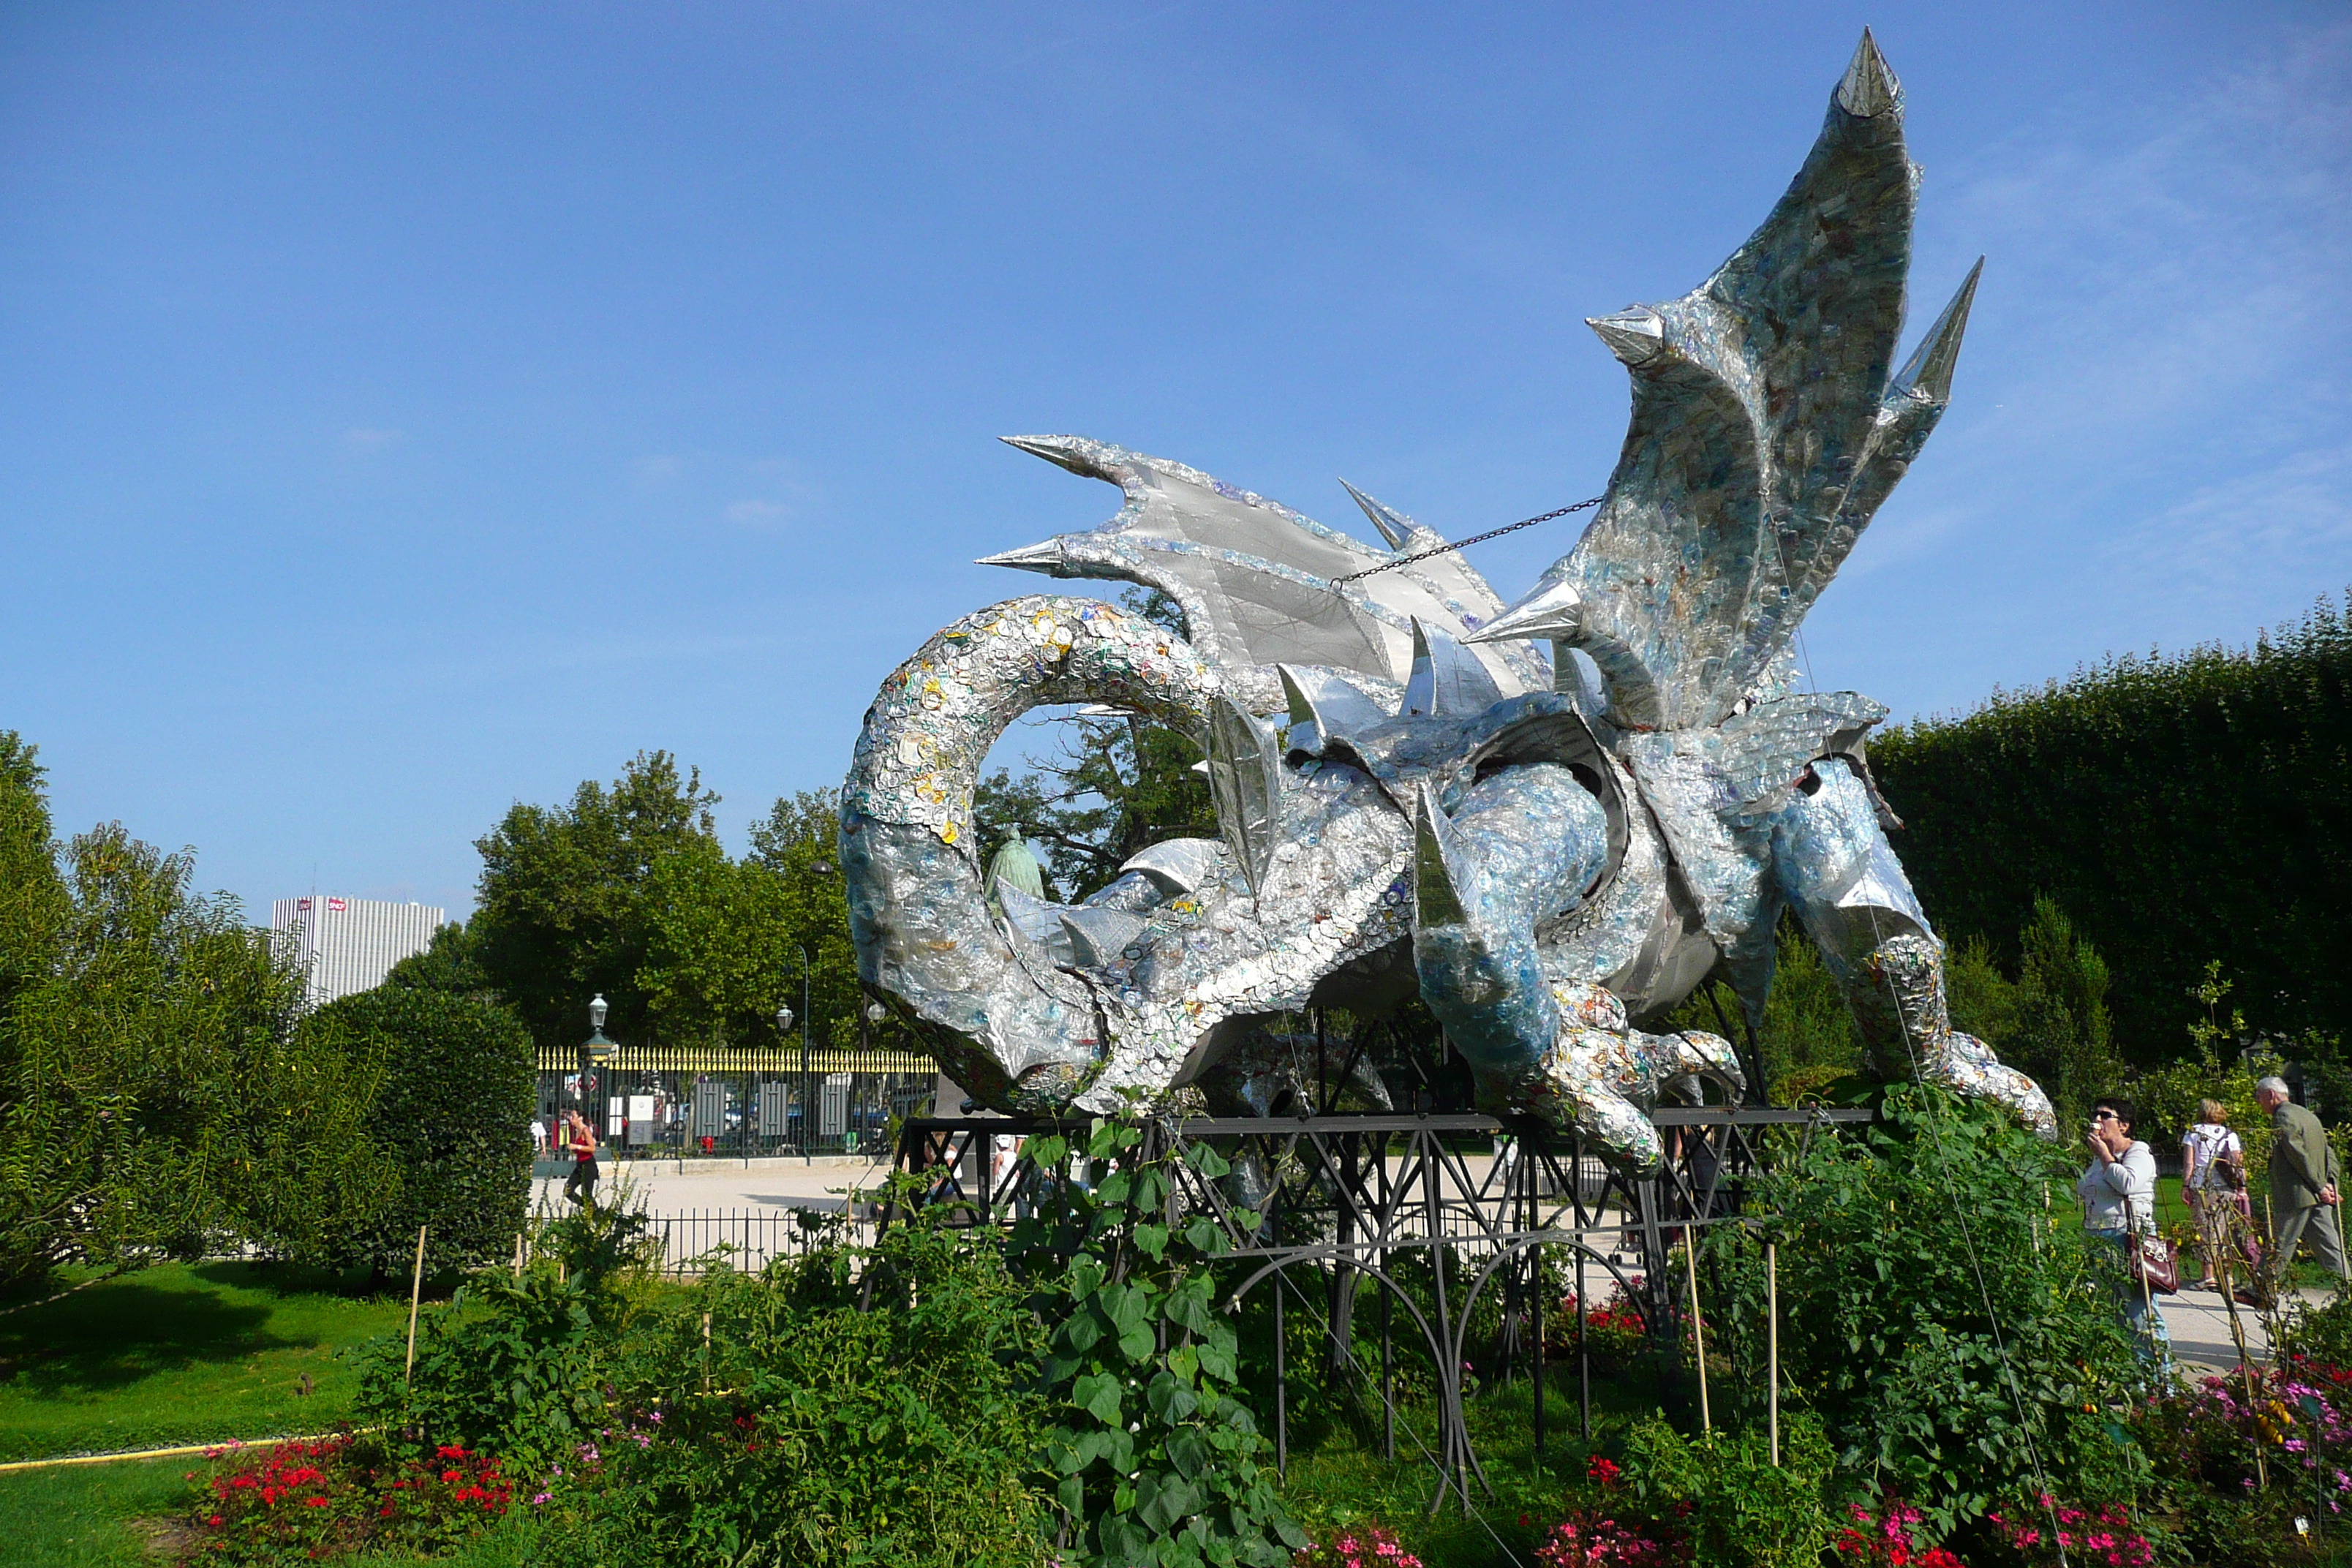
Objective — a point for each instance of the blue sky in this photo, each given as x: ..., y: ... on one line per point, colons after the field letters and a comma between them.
x: 406, y: 410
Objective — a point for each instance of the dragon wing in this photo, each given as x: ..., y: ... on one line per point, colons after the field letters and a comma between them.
x: 1768, y: 425
x: 1260, y: 585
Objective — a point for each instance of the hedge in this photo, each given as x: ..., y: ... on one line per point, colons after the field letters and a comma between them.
x: 2180, y: 808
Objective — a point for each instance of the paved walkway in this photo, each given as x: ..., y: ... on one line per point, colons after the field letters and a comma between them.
x: 2198, y: 1322
x: 665, y: 1187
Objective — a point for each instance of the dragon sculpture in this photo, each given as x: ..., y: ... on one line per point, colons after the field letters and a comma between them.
x: 1420, y: 790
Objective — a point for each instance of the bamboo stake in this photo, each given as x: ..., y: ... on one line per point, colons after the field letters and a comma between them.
x: 1772, y: 1343
x: 415, y: 1290
x: 705, y: 1352
x: 2245, y: 1365
x: 1698, y: 1333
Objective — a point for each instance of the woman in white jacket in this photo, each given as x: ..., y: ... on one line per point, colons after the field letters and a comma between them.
x: 2119, y: 1194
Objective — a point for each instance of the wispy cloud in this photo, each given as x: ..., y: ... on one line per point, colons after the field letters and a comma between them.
x: 757, y: 513
x: 358, y: 443
x: 656, y: 470
x: 2160, y: 386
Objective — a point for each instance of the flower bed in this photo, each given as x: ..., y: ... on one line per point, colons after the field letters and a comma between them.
x: 301, y: 1502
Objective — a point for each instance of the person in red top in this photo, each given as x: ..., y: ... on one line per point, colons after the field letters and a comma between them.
x: 579, y: 1139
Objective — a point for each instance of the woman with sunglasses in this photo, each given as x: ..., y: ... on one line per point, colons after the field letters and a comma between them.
x: 2119, y: 1194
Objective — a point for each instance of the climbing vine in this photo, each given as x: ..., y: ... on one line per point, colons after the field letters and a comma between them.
x: 1157, y: 1457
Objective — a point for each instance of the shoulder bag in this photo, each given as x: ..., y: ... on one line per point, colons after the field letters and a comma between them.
x: 2152, y: 1262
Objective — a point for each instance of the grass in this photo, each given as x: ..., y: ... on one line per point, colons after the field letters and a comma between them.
x: 183, y: 1353
x: 81, y: 1517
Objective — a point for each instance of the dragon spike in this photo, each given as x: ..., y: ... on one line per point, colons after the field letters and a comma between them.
x: 1636, y: 334
x: 1928, y: 371
x: 1553, y: 610
x: 1447, y: 677
x: 1324, y: 706
x: 1048, y: 557
x: 1098, y: 936
x: 1179, y: 865
x: 1394, y: 526
x: 1245, y: 780
x: 1303, y: 715
x: 1063, y: 451
x: 1436, y: 901
x: 1869, y: 89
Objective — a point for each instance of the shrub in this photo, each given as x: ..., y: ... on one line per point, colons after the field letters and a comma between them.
x: 448, y: 1128
x: 1739, y: 1507
x: 1951, y: 1341
x: 153, y: 1096
x: 820, y: 1432
x: 867, y: 1404
x: 1614, y: 1331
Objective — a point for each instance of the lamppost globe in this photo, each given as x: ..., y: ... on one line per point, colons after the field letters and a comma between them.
x: 876, y: 1013
x: 783, y: 1020
x: 597, y: 1011
x: 823, y: 867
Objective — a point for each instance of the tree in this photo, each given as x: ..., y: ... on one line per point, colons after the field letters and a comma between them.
x: 453, y: 962
x: 724, y: 937
x: 448, y: 1130
x: 152, y: 1098
x: 560, y: 914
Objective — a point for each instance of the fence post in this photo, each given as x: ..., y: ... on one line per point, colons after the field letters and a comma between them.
x: 416, y: 1289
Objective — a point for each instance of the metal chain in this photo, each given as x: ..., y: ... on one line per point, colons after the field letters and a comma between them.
x: 1464, y: 543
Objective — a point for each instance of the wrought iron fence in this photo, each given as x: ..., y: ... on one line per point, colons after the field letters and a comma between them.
x: 747, y: 1239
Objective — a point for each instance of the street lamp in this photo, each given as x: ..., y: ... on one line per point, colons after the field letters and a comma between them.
x: 596, y: 1050
x: 783, y: 1026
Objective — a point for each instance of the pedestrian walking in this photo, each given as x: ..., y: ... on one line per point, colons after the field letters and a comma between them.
x: 2118, y: 1192
x: 2304, y: 1186
x: 580, y: 1141
x: 2213, y: 1180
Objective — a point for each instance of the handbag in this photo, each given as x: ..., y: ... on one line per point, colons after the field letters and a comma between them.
x: 2152, y: 1264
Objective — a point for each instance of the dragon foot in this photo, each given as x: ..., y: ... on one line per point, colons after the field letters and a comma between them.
x: 1602, y: 1076
x: 1967, y: 1066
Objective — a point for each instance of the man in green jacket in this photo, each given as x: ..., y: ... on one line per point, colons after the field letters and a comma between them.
x: 2303, y: 1176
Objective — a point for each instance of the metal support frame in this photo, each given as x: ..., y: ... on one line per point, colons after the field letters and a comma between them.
x: 1358, y: 1196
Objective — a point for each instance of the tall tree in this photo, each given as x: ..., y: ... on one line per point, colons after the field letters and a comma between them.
x: 725, y: 940
x: 561, y: 909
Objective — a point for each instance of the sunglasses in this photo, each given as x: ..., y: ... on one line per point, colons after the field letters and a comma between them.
x: 2103, y: 1116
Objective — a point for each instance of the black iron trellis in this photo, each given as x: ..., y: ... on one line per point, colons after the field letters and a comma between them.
x: 1351, y: 1196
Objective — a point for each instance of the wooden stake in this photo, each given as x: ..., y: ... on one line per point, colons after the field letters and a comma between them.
x: 1698, y: 1333
x: 705, y: 1352
x: 416, y: 1289
x: 1772, y: 1343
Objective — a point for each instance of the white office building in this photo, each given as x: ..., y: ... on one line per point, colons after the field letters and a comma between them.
x: 349, y: 945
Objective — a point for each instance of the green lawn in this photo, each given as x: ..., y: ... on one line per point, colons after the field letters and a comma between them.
x: 183, y: 1353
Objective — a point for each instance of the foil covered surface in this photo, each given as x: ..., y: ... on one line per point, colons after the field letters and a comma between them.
x: 1406, y: 802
